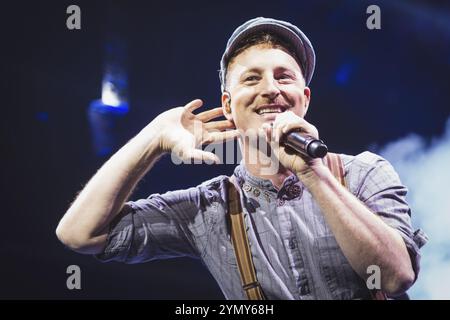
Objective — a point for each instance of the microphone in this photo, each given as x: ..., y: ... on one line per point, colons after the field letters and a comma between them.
x: 306, y: 145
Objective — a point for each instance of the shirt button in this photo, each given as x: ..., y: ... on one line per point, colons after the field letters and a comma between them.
x: 292, y: 244
x: 246, y: 187
x: 304, y: 289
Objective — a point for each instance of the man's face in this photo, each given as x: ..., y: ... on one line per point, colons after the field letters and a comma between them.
x: 264, y: 82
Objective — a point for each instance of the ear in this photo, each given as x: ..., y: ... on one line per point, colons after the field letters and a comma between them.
x: 226, y: 105
x: 307, y: 94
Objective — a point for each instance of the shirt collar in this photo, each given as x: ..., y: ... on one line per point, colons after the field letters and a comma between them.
x: 242, y: 175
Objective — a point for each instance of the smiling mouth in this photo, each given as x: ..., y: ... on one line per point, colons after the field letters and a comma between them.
x: 271, y: 109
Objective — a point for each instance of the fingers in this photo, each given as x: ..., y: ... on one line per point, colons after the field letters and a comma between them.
x: 284, y: 128
x: 210, y: 114
x: 219, y: 125
x: 193, y: 105
x: 201, y: 156
x: 216, y: 137
x: 287, y: 122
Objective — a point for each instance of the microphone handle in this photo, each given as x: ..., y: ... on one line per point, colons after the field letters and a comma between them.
x: 306, y: 145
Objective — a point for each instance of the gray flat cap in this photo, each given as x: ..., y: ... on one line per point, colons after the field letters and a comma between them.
x: 285, y: 30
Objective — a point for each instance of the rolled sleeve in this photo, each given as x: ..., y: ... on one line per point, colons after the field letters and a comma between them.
x: 154, y: 228
x: 382, y: 192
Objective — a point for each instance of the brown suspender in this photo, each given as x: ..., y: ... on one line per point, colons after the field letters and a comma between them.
x: 334, y: 163
x: 241, y: 244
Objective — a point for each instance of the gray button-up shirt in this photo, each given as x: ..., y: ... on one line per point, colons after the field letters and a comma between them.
x: 296, y: 255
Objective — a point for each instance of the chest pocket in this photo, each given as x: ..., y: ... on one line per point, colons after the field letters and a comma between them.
x: 223, y: 239
x: 342, y: 281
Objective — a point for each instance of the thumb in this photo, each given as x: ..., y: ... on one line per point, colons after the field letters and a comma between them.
x: 200, y: 156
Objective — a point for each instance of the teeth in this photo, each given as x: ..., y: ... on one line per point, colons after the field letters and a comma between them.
x: 270, y: 110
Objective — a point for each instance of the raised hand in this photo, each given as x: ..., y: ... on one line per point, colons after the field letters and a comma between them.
x: 181, y: 131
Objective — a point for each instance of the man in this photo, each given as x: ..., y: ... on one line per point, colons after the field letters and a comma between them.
x: 310, y: 237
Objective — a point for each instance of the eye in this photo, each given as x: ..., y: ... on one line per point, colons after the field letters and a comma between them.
x: 251, y: 78
x: 286, y: 76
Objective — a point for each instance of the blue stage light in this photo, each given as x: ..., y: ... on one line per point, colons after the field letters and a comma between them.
x: 106, y: 113
x: 343, y: 73
x: 42, y: 116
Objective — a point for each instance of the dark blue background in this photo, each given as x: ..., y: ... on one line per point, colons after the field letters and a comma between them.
x: 370, y: 87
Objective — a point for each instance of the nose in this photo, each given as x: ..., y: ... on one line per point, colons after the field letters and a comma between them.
x: 270, y: 89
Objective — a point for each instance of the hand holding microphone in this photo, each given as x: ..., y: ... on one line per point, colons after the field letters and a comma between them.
x: 294, y: 143
x: 303, y: 143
